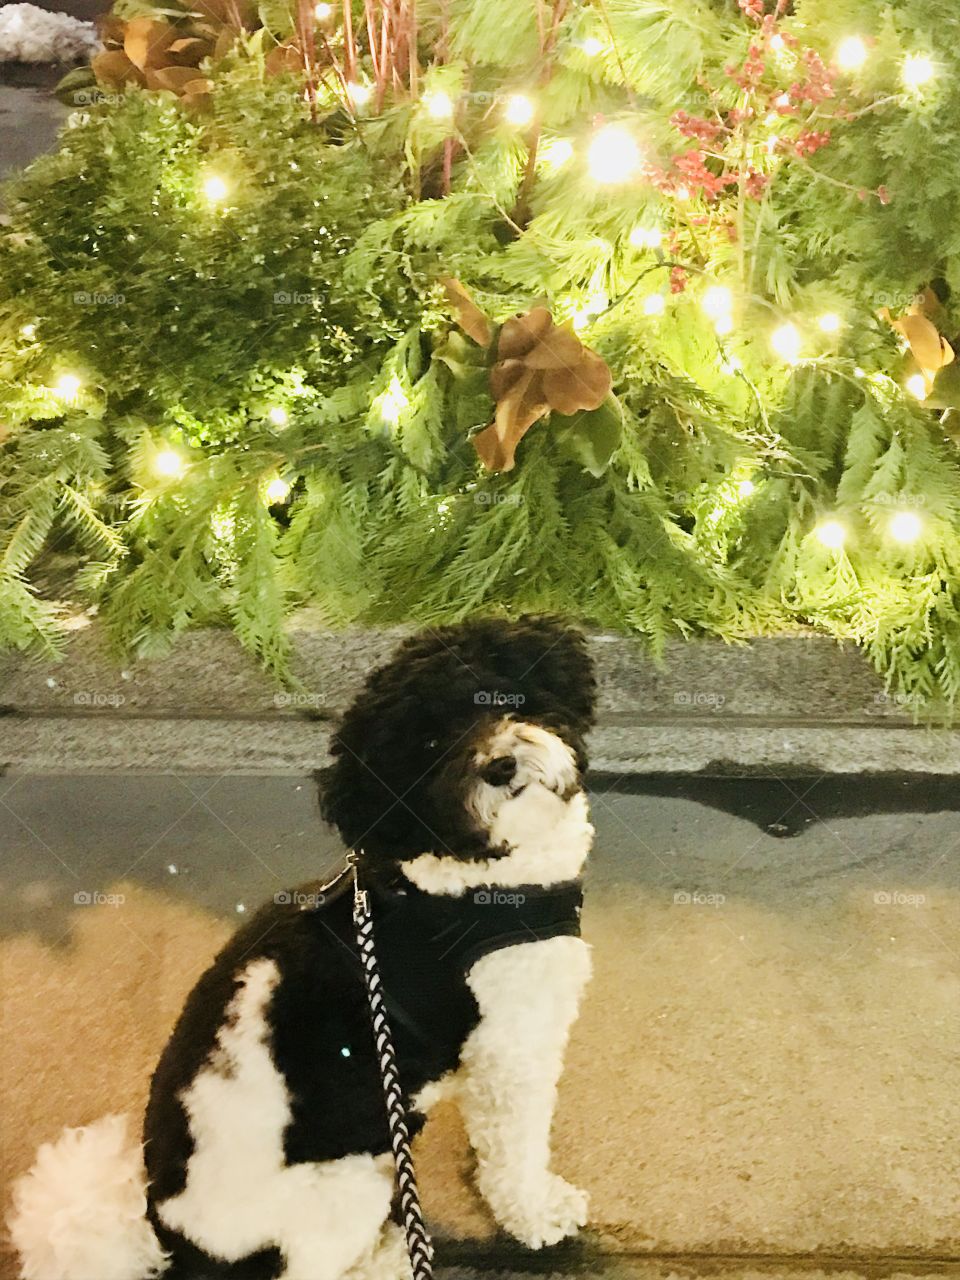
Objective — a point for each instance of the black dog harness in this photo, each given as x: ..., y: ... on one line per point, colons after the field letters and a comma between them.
x: 424, y: 946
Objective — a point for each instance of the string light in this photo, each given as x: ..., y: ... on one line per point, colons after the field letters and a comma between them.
x: 717, y: 302
x: 654, y: 304
x: 393, y: 401
x: 613, y: 155
x: 778, y: 44
x: 556, y: 152
x: 215, y: 189
x: 682, y: 193
x: 831, y: 533
x: 851, y: 53
x: 646, y: 237
x: 168, y: 463
x: 360, y: 94
x: 322, y: 12
x: 916, y: 384
x: 67, y: 386
x: 519, y: 109
x: 905, y: 526
x: 28, y: 331
x: 745, y: 488
x: 786, y: 343
x: 918, y: 70
x: 278, y: 416
x: 829, y: 322
x: 592, y: 46
x: 439, y: 105
x: 278, y: 490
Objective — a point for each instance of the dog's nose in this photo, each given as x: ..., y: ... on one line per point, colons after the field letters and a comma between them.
x: 498, y: 772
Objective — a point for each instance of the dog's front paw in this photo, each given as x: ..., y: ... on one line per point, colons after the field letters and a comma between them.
x: 546, y: 1214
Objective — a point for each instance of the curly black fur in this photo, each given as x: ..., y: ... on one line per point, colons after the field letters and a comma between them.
x: 403, y: 753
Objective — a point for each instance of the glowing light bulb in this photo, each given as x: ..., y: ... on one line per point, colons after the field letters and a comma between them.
x: 359, y: 94
x: 682, y: 193
x: 322, y: 12
x: 916, y: 384
x: 519, y: 109
x: 777, y: 43
x: 439, y: 105
x: 905, y: 526
x: 851, y: 53
x: 215, y: 189
x: 592, y: 46
x: 28, y: 331
x: 393, y: 401
x: 917, y: 71
x: 278, y: 416
x: 646, y: 237
x: 745, y: 488
x: 831, y: 533
x: 168, y: 463
x: 67, y: 386
x: 829, y: 322
x: 717, y: 302
x: 786, y: 343
x: 278, y: 490
x: 613, y: 155
x: 557, y: 152
x: 654, y: 304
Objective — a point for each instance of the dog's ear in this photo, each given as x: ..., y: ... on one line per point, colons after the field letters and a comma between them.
x: 556, y: 672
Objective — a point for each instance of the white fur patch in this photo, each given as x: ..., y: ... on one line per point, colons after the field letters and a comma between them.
x: 80, y: 1211
x: 240, y: 1195
x: 528, y: 996
x: 549, y: 836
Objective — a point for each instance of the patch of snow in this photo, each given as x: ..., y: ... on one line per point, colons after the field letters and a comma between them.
x: 29, y: 34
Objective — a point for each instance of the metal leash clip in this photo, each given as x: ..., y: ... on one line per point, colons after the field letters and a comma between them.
x: 361, y: 902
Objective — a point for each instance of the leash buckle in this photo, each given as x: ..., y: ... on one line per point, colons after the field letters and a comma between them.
x: 361, y: 901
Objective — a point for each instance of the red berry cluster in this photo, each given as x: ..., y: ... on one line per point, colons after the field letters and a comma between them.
x: 678, y: 280
x: 810, y: 141
x: 696, y: 126
x: 818, y: 84
x: 752, y: 8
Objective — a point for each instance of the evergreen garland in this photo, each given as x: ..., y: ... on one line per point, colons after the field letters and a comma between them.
x: 231, y: 382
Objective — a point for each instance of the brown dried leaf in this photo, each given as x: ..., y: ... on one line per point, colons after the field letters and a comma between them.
x: 559, y: 348
x: 504, y: 375
x: 114, y: 69
x: 188, y: 52
x: 469, y: 316
x: 145, y: 42
x: 928, y: 348
x: 520, y: 334
x: 175, y: 79
x: 585, y: 386
x: 516, y: 413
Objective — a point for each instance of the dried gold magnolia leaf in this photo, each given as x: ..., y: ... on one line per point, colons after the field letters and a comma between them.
x: 520, y: 334
x: 584, y: 386
x: 145, y: 41
x: 114, y: 69
x: 469, y: 316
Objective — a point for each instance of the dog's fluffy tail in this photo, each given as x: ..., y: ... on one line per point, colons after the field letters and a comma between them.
x: 81, y: 1210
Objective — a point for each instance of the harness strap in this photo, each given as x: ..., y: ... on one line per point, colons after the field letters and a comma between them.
x: 419, y: 1245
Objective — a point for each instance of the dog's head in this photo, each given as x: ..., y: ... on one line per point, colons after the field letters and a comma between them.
x: 467, y: 749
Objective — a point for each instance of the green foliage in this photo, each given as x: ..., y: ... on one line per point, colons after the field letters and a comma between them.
x: 273, y: 402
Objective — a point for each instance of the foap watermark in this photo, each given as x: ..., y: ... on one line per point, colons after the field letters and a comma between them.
x: 494, y: 698
x: 883, y: 701
x: 698, y: 898
x: 296, y: 898
x: 313, y: 700
x: 498, y: 898
x: 94, y: 898
x: 484, y: 498
x: 898, y: 898
x: 91, y: 698
x: 285, y: 298
x: 84, y: 299
x: 699, y: 698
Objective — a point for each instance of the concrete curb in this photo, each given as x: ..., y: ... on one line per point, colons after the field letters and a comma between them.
x: 788, y: 704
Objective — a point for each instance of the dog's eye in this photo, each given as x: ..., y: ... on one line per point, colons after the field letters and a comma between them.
x: 431, y: 744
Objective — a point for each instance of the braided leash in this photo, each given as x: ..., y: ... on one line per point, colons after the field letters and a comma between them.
x: 419, y: 1246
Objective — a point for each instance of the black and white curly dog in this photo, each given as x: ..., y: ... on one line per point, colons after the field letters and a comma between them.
x: 458, y: 773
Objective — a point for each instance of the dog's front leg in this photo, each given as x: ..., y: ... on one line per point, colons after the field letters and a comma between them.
x: 528, y: 996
